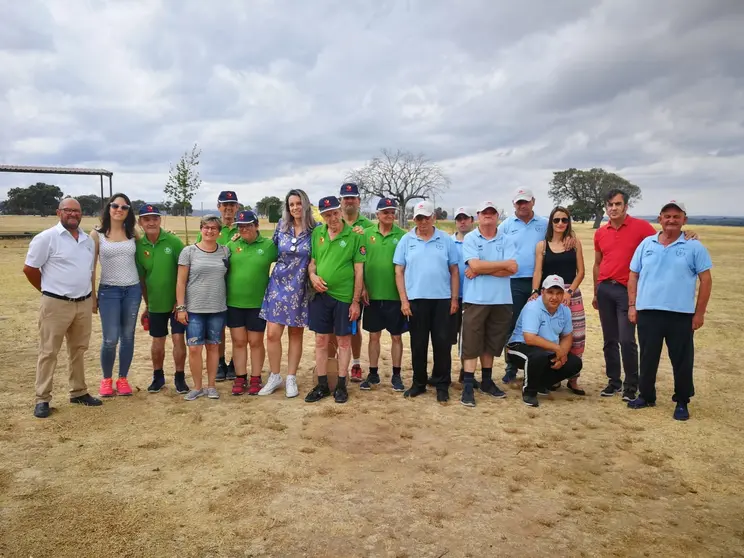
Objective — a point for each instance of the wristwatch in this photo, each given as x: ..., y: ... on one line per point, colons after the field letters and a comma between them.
x: 570, y: 291
x: 535, y: 291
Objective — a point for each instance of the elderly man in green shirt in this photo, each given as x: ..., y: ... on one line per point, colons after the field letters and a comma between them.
x: 336, y: 271
x: 157, y: 264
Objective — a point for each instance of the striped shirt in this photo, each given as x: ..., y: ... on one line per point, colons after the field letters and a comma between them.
x: 118, y: 265
x: 206, y: 292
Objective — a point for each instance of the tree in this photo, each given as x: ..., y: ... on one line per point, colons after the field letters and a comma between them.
x: 182, y: 209
x: 266, y: 203
x: 581, y: 211
x: 183, y: 182
x: 242, y: 207
x: 38, y: 199
x: 590, y: 188
x: 166, y: 206
x: 90, y: 204
x: 441, y: 213
x: 402, y: 176
x: 136, y: 204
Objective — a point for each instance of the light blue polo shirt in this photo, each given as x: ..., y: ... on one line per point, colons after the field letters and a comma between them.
x: 525, y: 237
x: 536, y: 319
x: 487, y: 289
x: 426, y: 264
x: 460, y: 261
x: 667, y: 275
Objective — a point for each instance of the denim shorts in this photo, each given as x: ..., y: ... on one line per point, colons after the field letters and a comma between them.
x: 205, y: 329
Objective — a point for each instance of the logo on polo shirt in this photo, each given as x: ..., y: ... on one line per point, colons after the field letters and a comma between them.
x: 167, y: 250
x: 240, y: 249
x: 539, y: 228
x: 147, y: 254
x: 395, y: 241
x: 322, y: 239
x: 363, y: 250
x: 259, y: 251
x: 680, y: 251
x: 342, y: 244
x: 372, y: 239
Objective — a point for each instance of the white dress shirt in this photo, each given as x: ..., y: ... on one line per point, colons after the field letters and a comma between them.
x: 66, y: 264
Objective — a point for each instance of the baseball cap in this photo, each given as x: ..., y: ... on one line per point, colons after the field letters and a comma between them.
x: 246, y: 218
x: 522, y: 194
x: 328, y: 203
x: 387, y: 203
x: 149, y: 209
x: 678, y: 204
x: 227, y: 196
x: 554, y: 281
x: 349, y: 190
x: 424, y: 208
x: 486, y: 205
x: 463, y: 211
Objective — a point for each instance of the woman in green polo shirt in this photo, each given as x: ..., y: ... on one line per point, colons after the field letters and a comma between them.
x: 251, y: 256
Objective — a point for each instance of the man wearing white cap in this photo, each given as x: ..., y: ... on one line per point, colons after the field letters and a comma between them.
x: 542, y: 340
x: 664, y: 273
x: 487, y: 301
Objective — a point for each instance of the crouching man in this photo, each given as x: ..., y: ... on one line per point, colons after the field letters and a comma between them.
x: 541, y: 342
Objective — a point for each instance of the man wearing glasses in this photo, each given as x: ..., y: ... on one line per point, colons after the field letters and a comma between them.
x: 59, y: 264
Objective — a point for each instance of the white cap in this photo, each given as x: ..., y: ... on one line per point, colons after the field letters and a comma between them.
x: 424, y: 207
x: 554, y: 281
x: 523, y: 194
x: 463, y: 211
x: 676, y: 203
x: 486, y: 204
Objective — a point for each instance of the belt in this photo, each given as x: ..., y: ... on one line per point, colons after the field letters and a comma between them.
x: 67, y: 298
x: 612, y: 282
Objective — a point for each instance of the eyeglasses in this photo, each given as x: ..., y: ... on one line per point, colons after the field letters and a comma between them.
x: 71, y: 211
x: 564, y: 220
x: 123, y: 207
x: 212, y: 229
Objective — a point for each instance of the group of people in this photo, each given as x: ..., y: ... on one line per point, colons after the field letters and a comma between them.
x: 490, y: 288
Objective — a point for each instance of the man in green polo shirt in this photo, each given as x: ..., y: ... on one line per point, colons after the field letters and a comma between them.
x: 251, y: 256
x: 157, y: 264
x: 350, y: 204
x: 336, y: 271
x: 381, y: 298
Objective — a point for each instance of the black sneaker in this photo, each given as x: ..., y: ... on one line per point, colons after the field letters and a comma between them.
x: 681, y: 412
x: 610, y: 391
x: 543, y: 391
x: 340, y: 395
x: 41, y: 410
x: 530, y: 400
x: 87, y: 400
x: 397, y: 383
x: 180, y: 382
x: 414, y: 391
x: 230, y: 371
x: 158, y: 383
x: 373, y: 378
x: 442, y: 395
x: 221, y: 371
x: 640, y: 403
x: 490, y: 388
x: 629, y: 395
x: 510, y: 374
x: 365, y: 385
x: 468, y: 396
x: 317, y: 393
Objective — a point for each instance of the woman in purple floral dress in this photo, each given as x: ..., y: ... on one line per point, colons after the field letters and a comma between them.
x: 286, y: 303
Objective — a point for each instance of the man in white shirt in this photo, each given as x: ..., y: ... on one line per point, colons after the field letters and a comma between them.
x: 59, y: 264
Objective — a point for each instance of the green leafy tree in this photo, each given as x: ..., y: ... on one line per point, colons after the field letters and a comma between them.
x: 590, y: 187
x: 37, y: 199
x: 136, y: 204
x: 441, y: 214
x: 183, y: 183
x: 90, y: 204
x: 581, y: 211
x: 266, y: 203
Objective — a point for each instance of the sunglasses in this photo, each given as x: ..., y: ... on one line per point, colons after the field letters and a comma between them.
x: 564, y: 220
x: 124, y: 207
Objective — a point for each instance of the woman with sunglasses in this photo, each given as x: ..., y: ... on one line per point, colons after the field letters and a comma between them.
x: 119, y: 292
x: 552, y: 258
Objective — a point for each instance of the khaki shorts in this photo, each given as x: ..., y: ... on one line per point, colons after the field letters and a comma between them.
x: 485, y: 329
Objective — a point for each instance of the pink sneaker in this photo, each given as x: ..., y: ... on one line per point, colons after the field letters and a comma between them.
x: 107, y: 389
x: 122, y: 387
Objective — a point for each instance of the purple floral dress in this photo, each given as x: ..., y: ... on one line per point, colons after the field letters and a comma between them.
x: 285, y: 301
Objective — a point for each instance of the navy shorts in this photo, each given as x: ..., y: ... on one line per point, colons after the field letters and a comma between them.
x: 159, y: 324
x: 328, y: 315
x: 385, y: 314
x: 205, y: 329
x: 245, y: 317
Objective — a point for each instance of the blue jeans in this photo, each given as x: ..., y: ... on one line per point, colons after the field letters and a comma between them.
x: 205, y: 329
x: 118, y: 307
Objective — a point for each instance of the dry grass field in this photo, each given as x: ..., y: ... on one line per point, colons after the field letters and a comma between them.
x: 153, y: 475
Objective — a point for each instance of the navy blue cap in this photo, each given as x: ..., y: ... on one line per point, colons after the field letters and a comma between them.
x: 387, y: 203
x: 246, y: 218
x: 228, y: 196
x: 149, y: 209
x: 328, y: 203
x: 349, y: 190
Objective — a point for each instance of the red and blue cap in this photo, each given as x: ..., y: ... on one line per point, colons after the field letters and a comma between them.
x: 349, y: 190
x: 246, y: 218
x: 228, y: 196
x: 328, y: 203
x: 148, y: 209
x: 387, y: 203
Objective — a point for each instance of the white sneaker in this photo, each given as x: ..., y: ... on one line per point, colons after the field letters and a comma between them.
x: 272, y: 384
x: 291, y: 388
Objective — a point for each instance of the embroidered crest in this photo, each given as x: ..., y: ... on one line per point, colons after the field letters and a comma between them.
x: 363, y: 250
x: 388, y: 202
x: 167, y: 250
x: 229, y: 194
x: 395, y: 241
x: 342, y: 244
x: 348, y: 188
x: 327, y: 203
x: 322, y: 240
x: 149, y: 208
x: 240, y: 249
x: 147, y: 254
x: 372, y: 239
x: 259, y: 251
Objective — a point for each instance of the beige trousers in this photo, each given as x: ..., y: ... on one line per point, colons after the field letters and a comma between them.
x: 59, y: 319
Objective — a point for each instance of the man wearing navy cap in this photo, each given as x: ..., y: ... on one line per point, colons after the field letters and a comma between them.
x: 350, y: 204
x: 664, y: 273
x: 157, y: 264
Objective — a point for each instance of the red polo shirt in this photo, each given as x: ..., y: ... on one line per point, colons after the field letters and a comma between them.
x: 618, y: 246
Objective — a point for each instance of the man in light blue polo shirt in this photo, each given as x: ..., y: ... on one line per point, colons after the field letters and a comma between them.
x: 487, y: 300
x: 542, y: 340
x: 661, y: 292
x: 428, y: 282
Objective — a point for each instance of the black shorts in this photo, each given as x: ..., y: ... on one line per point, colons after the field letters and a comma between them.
x: 328, y: 315
x: 245, y: 317
x: 384, y: 314
x: 455, y: 324
x: 159, y: 324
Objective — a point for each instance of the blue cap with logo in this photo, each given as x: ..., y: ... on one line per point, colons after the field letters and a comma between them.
x: 149, y: 209
x: 349, y: 190
x: 386, y: 203
x: 228, y: 196
x: 328, y: 203
x: 246, y: 218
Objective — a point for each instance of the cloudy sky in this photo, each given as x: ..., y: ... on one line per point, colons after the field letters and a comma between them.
x: 285, y: 93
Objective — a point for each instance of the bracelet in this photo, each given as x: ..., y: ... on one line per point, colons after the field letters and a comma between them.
x: 181, y: 308
x: 630, y: 305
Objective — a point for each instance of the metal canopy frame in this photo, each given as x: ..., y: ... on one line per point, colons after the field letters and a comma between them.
x: 65, y: 170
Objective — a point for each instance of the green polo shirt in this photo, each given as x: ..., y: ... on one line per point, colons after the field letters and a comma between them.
x: 379, y: 269
x: 158, y: 264
x: 335, y: 259
x: 362, y: 221
x: 248, y: 277
x: 226, y: 233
